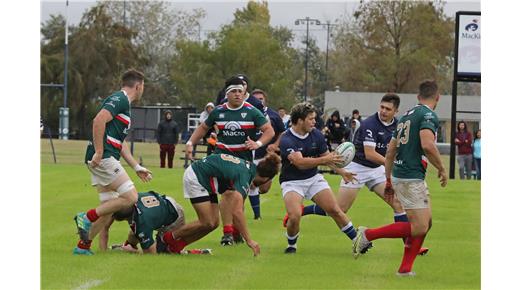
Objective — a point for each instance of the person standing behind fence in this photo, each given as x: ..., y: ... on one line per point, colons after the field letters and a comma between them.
x: 211, y: 136
x: 167, y: 137
x: 463, y: 140
x: 476, y: 153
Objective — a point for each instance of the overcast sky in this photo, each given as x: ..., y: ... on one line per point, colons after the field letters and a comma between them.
x: 283, y: 13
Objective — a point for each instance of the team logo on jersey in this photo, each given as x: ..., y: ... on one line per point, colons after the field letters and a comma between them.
x: 115, y: 98
x: 221, y: 115
x: 243, y: 115
x: 369, y: 133
x: 233, y: 129
x: 111, y: 104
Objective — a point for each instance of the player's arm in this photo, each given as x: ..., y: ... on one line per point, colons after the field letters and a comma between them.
x: 432, y: 153
x: 151, y: 250
x: 130, y: 244
x: 267, y: 135
x: 200, y: 132
x: 327, y: 158
x: 391, y: 152
x: 372, y: 155
x: 144, y: 174
x: 235, y: 202
x: 98, y: 132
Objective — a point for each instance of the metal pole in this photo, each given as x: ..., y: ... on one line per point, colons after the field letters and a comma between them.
x: 327, y: 57
x: 64, y: 130
x: 306, y: 60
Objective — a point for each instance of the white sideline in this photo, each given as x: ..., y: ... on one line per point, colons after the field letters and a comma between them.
x: 89, y: 284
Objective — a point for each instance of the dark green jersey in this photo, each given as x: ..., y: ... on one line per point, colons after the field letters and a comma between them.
x: 235, y: 125
x: 117, y: 129
x: 152, y: 211
x: 410, y: 161
x: 219, y: 172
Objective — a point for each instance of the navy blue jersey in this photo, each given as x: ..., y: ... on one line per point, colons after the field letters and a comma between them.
x: 372, y: 132
x: 312, y: 145
x: 278, y: 127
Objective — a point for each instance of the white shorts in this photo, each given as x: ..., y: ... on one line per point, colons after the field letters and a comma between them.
x: 412, y: 194
x: 307, y: 188
x: 178, y: 222
x: 192, y: 187
x: 364, y: 175
x: 108, y: 170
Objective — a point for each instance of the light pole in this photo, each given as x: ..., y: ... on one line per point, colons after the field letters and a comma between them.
x: 328, y: 25
x: 64, y: 111
x: 306, y: 20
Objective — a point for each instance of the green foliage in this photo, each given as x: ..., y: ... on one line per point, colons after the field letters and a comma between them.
x: 248, y: 46
x: 393, y: 45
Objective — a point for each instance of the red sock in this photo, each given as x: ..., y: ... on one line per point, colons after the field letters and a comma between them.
x: 395, y: 230
x: 92, y: 215
x: 411, y: 249
x: 84, y: 245
x: 177, y: 246
x: 174, y: 245
x: 228, y: 229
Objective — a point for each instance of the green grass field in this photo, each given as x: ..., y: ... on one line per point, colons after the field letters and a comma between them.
x: 323, y: 260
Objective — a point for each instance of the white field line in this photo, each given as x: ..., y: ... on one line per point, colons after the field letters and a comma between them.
x: 89, y: 284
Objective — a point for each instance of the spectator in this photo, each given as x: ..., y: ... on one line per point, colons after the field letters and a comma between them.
x: 286, y: 118
x: 336, y: 130
x: 355, y: 115
x: 167, y: 137
x: 354, y: 125
x: 463, y: 140
x: 476, y: 153
x: 211, y: 136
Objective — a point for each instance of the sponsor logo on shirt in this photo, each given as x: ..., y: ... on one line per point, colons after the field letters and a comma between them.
x: 243, y: 115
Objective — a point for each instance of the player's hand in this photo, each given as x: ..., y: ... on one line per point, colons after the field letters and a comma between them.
x: 443, y: 177
x: 96, y: 159
x: 143, y: 173
x: 251, y: 145
x: 333, y: 159
x: 254, y: 246
x: 272, y: 148
x: 389, y: 191
x: 348, y: 176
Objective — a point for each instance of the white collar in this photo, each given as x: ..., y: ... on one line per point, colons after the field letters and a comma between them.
x: 298, y: 135
x: 239, y: 107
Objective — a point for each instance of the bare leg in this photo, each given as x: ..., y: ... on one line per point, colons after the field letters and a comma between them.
x: 325, y: 199
x: 346, y: 197
x: 293, y: 203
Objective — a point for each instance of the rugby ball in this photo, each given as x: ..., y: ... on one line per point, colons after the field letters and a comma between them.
x: 347, y: 151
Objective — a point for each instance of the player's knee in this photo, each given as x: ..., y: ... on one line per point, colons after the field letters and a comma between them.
x: 334, y: 212
x: 127, y: 192
x: 420, y: 229
x: 210, y: 225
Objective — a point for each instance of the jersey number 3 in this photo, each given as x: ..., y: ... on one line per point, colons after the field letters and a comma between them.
x: 403, y: 132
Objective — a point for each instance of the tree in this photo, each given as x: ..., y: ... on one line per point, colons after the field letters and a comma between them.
x: 247, y: 45
x: 100, y: 50
x: 158, y: 26
x: 386, y: 46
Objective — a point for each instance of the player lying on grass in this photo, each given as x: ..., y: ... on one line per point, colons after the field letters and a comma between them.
x: 152, y: 212
x: 229, y: 176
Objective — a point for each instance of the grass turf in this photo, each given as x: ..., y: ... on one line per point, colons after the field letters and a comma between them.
x: 324, y: 253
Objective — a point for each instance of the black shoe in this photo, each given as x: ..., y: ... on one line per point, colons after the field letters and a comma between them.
x: 161, y: 246
x: 290, y: 250
x: 227, y: 240
x: 238, y: 239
